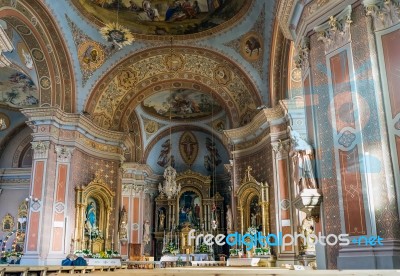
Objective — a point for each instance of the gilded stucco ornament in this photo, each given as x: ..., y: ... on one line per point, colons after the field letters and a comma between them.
x: 335, y: 33
x: 385, y: 13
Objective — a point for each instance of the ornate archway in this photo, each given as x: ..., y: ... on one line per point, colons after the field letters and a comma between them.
x: 33, y: 22
x: 117, y: 94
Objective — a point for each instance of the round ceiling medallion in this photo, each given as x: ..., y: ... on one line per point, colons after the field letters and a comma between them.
x: 4, y: 122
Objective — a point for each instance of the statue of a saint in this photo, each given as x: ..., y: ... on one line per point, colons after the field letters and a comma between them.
x: 253, y: 219
x: 161, y: 223
x: 123, y: 224
x: 91, y: 216
x: 307, y: 228
x: 301, y: 154
x: 229, y: 225
x: 146, y: 231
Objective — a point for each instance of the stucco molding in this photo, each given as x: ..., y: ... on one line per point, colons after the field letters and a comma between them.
x: 385, y: 13
x: 40, y: 149
x: 335, y: 33
x: 64, y: 153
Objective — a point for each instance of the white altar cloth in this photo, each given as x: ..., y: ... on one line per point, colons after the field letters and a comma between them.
x: 242, y: 261
x: 192, y: 257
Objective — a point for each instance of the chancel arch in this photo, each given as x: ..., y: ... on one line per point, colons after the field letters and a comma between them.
x: 118, y: 93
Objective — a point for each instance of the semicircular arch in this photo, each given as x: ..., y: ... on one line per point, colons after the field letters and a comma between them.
x: 125, y: 86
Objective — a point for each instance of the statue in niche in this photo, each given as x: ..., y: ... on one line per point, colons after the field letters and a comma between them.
x: 253, y: 219
x: 229, y: 225
x: 161, y: 218
x: 122, y: 224
x: 146, y: 232
x: 307, y: 229
x: 91, y: 216
x: 301, y: 153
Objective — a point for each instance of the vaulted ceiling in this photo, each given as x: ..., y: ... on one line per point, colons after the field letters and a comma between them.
x: 205, y: 65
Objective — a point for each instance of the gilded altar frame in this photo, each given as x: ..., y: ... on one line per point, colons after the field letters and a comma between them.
x: 250, y: 188
x: 98, y: 190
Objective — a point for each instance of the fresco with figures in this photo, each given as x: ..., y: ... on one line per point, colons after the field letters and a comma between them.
x: 17, y: 89
x: 189, y: 209
x: 181, y: 104
x: 160, y: 17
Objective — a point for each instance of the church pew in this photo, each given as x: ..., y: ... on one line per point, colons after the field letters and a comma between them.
x: 42, y: 270
x: 23, y: 270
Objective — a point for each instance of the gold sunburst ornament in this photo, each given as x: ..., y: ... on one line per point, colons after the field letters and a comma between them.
x: 117, y: 34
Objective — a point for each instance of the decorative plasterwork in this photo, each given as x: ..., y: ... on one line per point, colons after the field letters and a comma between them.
x: 256, y: 127
x: 52, y: 123
x: 112, y: 101
x: 303, y: 52
x: 64, y: 153
x: 385, y: 13
x: 5, y: 46
x: 40, y: 149
x: 47, y: 47
x: 285, y: 11
x: 336, y: 32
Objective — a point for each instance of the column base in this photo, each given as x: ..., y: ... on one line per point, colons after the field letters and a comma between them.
x: 386, y: 256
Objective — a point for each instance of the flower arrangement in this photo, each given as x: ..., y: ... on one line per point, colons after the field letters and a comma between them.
x: 170, y: 248
x: 108, y: 254
x: 234, y: 252
x: 262, y: 251
x: 203, y: 248
x: 252, y: 230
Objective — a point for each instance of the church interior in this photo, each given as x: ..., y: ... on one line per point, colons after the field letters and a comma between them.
x: 135, y: 129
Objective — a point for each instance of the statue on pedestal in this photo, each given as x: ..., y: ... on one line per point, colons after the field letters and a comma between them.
x: 301, y: 153
x: 229, y: 225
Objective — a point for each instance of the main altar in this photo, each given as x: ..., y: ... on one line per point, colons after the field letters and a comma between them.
x: 194, y: 207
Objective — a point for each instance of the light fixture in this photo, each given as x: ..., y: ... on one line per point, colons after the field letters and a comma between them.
x: 170, y: 187
x: 116, y: 33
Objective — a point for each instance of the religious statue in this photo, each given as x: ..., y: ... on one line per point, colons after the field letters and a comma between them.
x: 146, y: 232
x: 229, y: 225
x: 161, y: 218
x: 253, y: 219
x: 301, y: 154
x: 91, y: 216
x: 307, y: 229
x: 123, y: 234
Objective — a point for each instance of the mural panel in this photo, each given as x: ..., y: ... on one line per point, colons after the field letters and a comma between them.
x: 160, y: 17
x: 189, y: 208
x: 181, y: 104
x: 17, y: 89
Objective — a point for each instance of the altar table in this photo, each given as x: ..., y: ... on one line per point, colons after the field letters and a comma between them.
x: 242, y: 261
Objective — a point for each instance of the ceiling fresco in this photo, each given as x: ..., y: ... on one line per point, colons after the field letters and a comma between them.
x: 160, y: 17
x: 181, y: 104
x: 17, y: 89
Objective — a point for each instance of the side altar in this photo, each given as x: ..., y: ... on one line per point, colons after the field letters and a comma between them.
x: 94, y: 204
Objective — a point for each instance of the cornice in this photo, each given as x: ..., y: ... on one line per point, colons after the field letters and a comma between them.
x: 70, y: 121
x: 264, y: 119
x: 284, y: 15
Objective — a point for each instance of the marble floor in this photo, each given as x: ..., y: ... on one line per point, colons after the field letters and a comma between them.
x: 233, y: 271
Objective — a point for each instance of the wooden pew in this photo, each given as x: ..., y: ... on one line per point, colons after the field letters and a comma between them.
x: 23, y: 270
x: 41, y: 269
